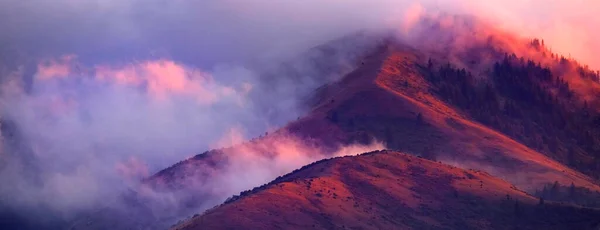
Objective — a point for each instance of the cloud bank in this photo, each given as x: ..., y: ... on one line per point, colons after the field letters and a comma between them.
x: 102, y: 93
x: 209, y: 32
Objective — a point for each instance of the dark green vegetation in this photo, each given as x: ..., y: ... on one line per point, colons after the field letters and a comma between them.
x: 532, y: 103
x: 569, y: 194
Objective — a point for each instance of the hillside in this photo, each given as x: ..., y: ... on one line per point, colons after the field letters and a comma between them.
x: 502, y: 105
x: 392, y: 98
x: 390, y: 190
x: 398, y: 95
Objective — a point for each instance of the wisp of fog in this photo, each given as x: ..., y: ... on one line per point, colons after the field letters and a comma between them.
x: 96, y: 95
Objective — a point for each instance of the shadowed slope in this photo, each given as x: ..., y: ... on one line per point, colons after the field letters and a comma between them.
x: 390, y: 190
x: 207, y: 179
x: 389, y: 99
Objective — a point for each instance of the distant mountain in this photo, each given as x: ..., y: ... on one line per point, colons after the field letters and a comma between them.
x: 390, y: 190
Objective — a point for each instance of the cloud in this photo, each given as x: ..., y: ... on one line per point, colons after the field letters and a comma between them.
x: 251, y: 165
x: 89, y: 132
x: 106, y: 125
x: 162, y: 78
x: 212, y: 31
x: 55, y: 68
x: 242, y: 166
x: 567, y: 27
x: 199, y: 32
x: 100, y: 92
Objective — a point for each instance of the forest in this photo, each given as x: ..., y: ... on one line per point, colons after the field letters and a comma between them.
x: 528, y: 102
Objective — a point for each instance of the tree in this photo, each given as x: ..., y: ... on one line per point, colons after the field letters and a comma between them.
x: 523, y: 97
x: 572, y: 191
x: 334, y: 117
x: 429, y: 64
x: 419, y: 118
x: 544, y: 191
x: 554, y: 192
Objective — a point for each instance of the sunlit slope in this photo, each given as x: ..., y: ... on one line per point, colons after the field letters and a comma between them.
x: 390, y: 190
x: 388, y: 98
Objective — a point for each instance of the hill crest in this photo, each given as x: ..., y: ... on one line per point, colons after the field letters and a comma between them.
x: 388, y: 189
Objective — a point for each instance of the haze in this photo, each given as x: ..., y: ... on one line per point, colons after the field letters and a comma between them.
x: 105, y: 91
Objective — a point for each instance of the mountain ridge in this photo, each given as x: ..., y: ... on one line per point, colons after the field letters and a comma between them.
x: 394, y: 95
x: 417, y: 109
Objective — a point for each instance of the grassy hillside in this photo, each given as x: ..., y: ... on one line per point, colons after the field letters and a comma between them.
x: 390, y: 190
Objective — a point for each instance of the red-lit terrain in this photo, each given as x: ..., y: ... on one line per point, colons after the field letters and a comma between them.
x: 503, y: 106
x: 395, y: 114
x: 390, y: 190
x: 382, y: 100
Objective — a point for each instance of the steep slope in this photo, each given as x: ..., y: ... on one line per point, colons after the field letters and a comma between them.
x: 390, y: 99
x: 390, y: 190
x: 448, y: 106
x: 515, y: 85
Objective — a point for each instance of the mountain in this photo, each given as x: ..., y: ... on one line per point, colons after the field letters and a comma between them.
x: 419, y: 107
x: 390, y: 190
x: 461, y: 93
x: 414, y: 104
x: 189, y: 186
x: 492, y: 102
x: 397, y: 95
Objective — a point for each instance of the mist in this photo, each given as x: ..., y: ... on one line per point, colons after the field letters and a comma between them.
x: 97, y: 95
x: 77, y: 135
x: 211, y: 32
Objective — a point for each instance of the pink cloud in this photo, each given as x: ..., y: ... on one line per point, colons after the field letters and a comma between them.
x: 159, y: 79
x: 412, y: 16
x: 55, y: 68
x: 162, y: 79
x: 260, y: 160
x: 132, y: 169
x: 568, y: 27
x: 233, y: 136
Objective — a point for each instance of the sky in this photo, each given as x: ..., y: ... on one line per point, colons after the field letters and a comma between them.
x: 211, y: 32
x: 99, y: 86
